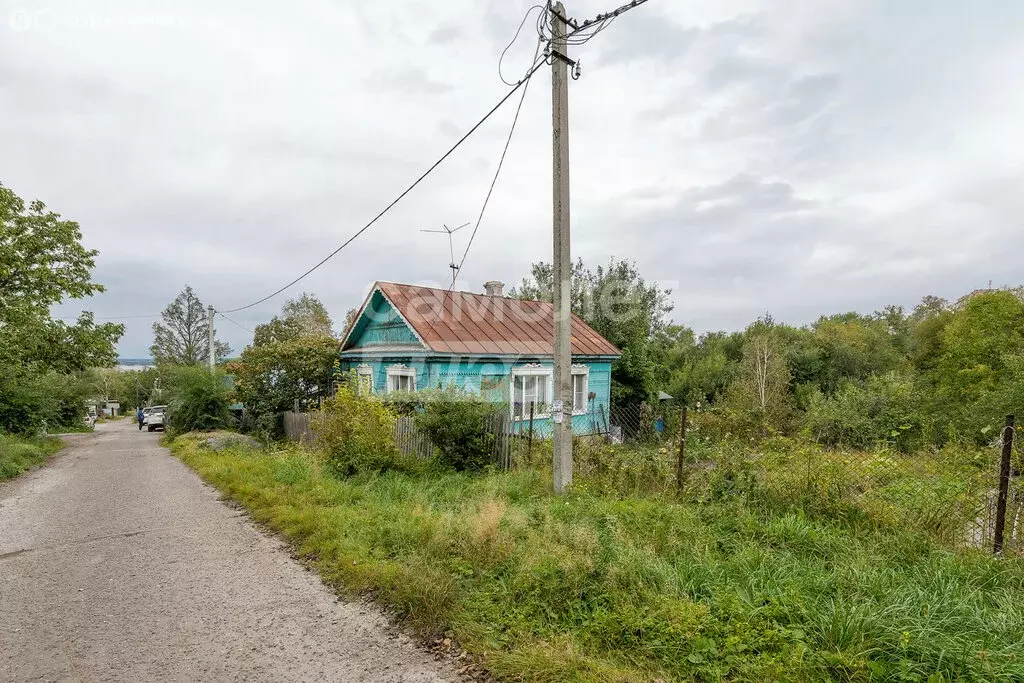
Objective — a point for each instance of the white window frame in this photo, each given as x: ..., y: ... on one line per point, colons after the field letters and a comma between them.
x: 584, y: 372
x: 364, y: 373
x: 401, y: 371
x: 531, y: 371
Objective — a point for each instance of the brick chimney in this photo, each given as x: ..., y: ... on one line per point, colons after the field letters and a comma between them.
x: 494, y: 288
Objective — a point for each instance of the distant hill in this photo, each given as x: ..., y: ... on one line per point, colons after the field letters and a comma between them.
x: 134, y: 363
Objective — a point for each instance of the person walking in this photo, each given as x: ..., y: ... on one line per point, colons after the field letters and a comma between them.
x: 140, y: 415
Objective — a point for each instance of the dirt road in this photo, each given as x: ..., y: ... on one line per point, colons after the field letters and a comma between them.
x: 118, y: 563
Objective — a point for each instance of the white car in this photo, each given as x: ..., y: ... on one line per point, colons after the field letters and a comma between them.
x: 153, y: 417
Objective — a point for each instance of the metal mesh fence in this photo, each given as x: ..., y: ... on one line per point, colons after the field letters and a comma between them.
x: 953, y: 492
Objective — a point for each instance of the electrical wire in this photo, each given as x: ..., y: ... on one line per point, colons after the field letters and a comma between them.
x: 579, y: 36
x: 399, y: 198
x: 604, y: 19
x: 512, y: 42
x: 236, y: 324
x: 501, y: 160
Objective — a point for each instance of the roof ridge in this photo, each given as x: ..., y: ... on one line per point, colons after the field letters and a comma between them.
x: 522, y: 324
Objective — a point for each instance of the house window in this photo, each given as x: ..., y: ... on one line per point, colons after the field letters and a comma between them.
x: 580, y: 376
x: 364, y: 377
x: 531, y: 385
x: 401, y: 378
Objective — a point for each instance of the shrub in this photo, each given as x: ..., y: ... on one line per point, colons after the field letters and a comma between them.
x: 33, y: 401
x: 884, y: 412
x: 357, y: 434
x: 19, y: 454
x: 458, y: 424
x: 200, y: 401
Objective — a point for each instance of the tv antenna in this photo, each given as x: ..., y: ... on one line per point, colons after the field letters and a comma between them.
x: 451, y: 248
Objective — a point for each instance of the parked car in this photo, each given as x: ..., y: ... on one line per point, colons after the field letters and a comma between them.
x: 153, y: 417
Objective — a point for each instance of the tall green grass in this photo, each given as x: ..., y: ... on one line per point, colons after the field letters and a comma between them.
x: 594, y: 587
x: 19, y: 454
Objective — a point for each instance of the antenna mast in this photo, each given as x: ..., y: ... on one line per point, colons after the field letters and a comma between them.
x: 451, y: 249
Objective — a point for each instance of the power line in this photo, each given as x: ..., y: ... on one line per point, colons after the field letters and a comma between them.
x: 236, y: 324
x: 399, y: 198
x: 497, y: 171
x: 516, y: 37
x: 603, y: 19
x: 588, y: 29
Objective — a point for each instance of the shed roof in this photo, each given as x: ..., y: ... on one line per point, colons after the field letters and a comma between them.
x: 467, y: 323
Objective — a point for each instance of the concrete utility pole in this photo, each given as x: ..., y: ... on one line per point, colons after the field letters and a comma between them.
x: 209, y: 329
x: 561, y: 408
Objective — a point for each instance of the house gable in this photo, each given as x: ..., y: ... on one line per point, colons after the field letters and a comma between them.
x: 380, y: 325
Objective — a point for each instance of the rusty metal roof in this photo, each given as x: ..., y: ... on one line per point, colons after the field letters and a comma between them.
x: 462, y: 323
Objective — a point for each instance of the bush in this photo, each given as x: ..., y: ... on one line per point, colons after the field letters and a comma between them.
x: 199, y: 401
x: 33, y: 401
x: 18, y: 454
x: 458, y: 424
x: 357, y: 434
x: 885, y: 412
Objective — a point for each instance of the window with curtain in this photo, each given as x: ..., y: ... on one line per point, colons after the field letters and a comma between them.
x: 531, y: 387
x: 579, y: 391
x: 401, y: 378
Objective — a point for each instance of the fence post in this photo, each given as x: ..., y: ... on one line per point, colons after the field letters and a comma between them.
x: 529, y: 444
x: 1004, y: 485
x: 682, y: 451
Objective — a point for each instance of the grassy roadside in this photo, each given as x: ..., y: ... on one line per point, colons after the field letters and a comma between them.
x: 19, y: 454
x: 592, y: 588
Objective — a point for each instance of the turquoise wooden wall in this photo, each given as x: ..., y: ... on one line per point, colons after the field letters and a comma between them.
x: 381, y: 325
x: 491, y: 379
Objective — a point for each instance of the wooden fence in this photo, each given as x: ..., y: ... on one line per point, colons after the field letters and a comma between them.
x: 413, y: 442
x: 297, y: 427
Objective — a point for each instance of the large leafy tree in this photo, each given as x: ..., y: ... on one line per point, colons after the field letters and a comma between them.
x: 762, y: 385
x: 291, y: 359
x: 42, y: 262
x: 182, y: 336
x: 981, y: 345
x: 302, y: 317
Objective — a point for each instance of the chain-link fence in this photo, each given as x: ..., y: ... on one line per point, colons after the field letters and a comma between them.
x: 954, y: 492
x: 969, y: 496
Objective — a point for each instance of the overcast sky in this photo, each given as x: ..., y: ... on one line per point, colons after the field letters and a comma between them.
x: 798, y: 157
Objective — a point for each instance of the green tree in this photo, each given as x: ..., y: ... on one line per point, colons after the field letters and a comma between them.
x: 182, y: 338
x: 619, y: 304
x: 43, y: 262
x: 302, y: 317
x: 761, y: 388
x: 291, y: 359
x: 980, y: 345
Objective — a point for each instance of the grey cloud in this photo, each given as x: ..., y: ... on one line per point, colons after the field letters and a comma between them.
x: 449, y: 129
x: 444, y: 35
x: 798, y: 158
x: 413, y: 80
x: 651, y: 36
